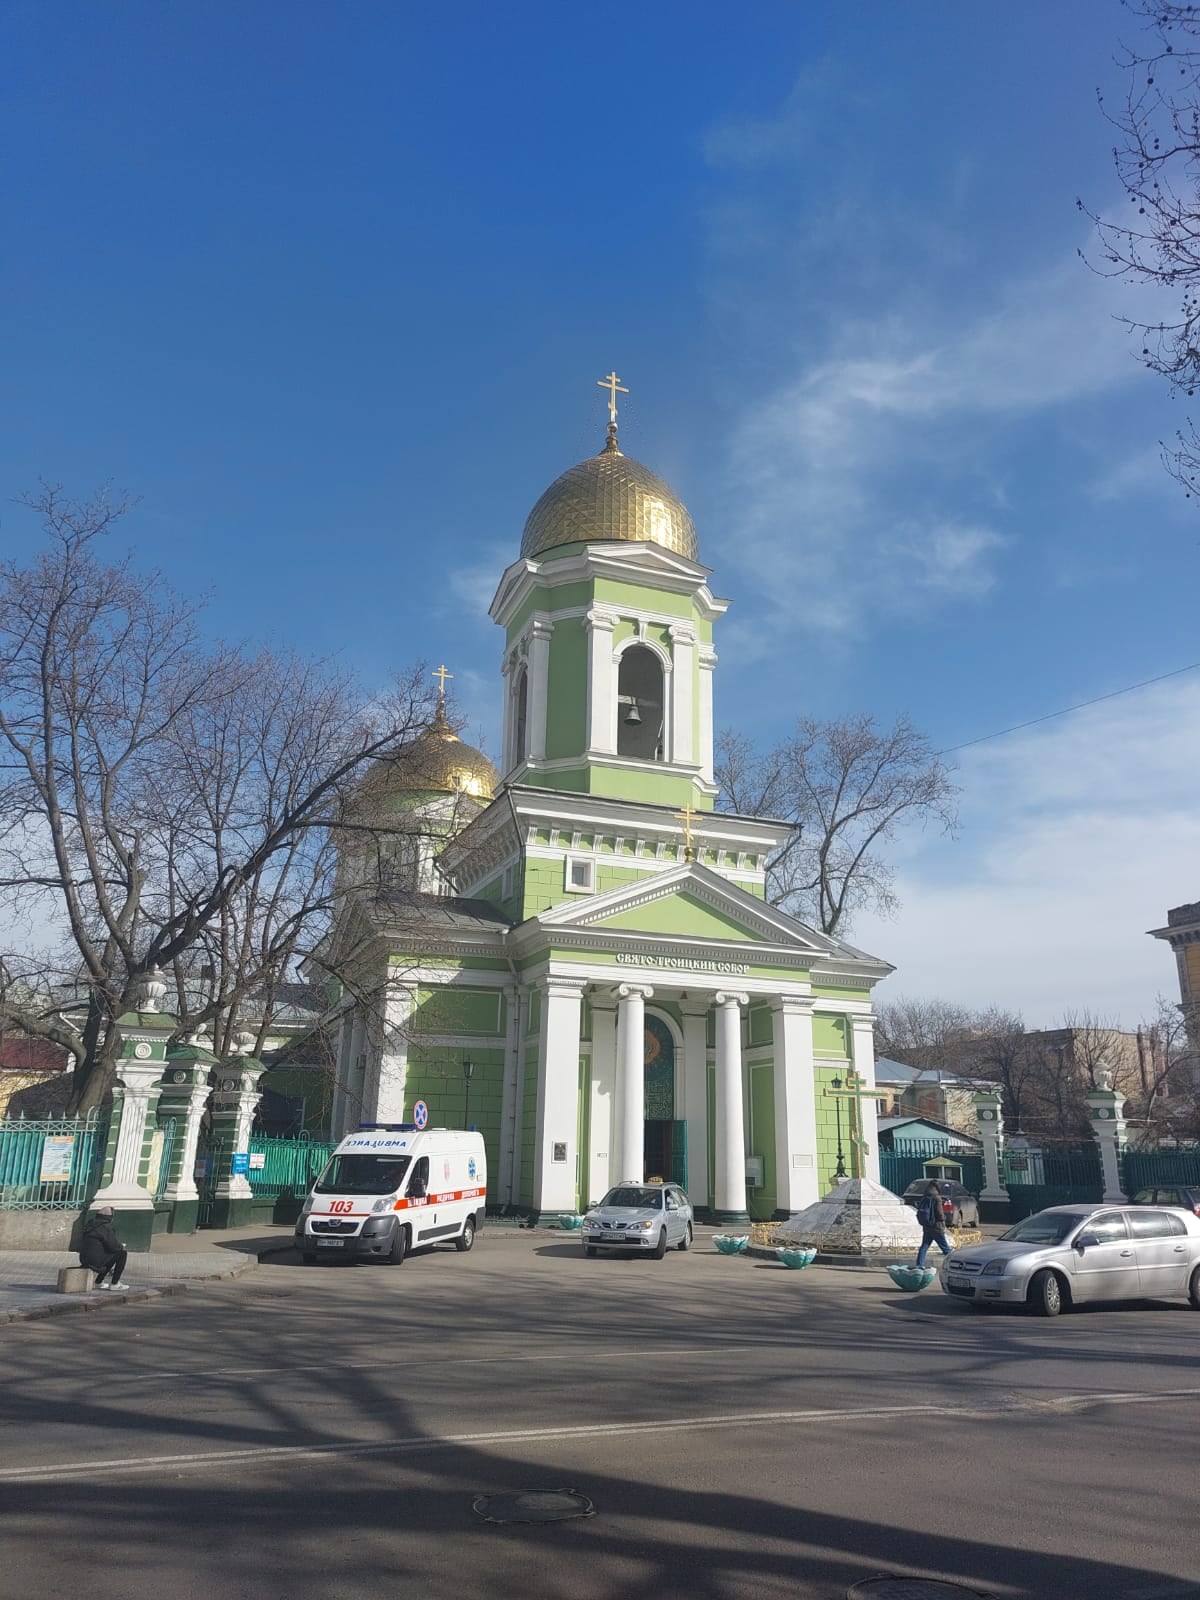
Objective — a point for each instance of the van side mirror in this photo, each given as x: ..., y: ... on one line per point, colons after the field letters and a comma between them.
x: 1084, y: 1241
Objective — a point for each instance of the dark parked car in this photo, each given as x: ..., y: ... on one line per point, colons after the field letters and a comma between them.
x: 959, y: 1206
x: 1169, y: 1194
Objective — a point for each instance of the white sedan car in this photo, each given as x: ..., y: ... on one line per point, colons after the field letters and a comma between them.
x: 641, y: 1217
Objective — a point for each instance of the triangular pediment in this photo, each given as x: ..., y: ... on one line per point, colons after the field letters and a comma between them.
x: 687, y: 902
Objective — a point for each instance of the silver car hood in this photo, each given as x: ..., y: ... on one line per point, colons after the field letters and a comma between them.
x: 626, y: 1213
x: 1002, y: 1250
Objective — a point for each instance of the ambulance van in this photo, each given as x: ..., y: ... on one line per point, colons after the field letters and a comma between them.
x: 391, y: 1189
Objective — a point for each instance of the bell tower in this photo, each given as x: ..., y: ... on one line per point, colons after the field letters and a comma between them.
x: 608, y: 621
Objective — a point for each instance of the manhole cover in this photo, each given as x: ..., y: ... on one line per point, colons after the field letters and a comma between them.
x: 898, y: 1588
x: 535, y: 1505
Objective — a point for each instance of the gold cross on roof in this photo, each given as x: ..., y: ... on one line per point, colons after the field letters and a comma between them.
x: 615, y: 387
x: 685, y: 816
x: 441, y: 675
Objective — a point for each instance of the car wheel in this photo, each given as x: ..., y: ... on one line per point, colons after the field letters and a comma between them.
x: 660, y: 1249
x: 1194, y: 1290
x: 589, y: 1249
x: 686, y: 1242
x: 1046, y: 1294
x: 399, y: 1247
x: 467, y: 1237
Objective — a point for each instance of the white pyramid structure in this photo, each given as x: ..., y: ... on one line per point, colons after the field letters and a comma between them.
x: 856, y: 1218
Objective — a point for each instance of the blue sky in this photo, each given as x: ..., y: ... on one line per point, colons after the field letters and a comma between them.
x: 329, y: 287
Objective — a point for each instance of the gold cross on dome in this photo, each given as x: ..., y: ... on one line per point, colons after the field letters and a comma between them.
x: 441, y: 675
x: 615, y: 387
x: 685, y: 816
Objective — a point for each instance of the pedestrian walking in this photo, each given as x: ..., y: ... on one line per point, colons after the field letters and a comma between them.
x: 932, y: 1220
x: 101, y: 1250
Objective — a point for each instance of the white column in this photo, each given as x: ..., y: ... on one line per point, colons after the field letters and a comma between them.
x: 629, y: 1153
x: 509, y: 724
x: 695, y: 1096
x: 863, y: 1049
x: 386, y: 1103
x: 797, y: 1180
x: 234, y: 1102
x: 539, y: 688
x: 604, y: 1084
x: 341, y: 1071
x: 683, y: 680
x: 556, y: 1154
x: 989, y: 1119
x: 730, y: 1175
x: 704, y: 756
x: 601, y: 681
x: 352, y: 1105
x: 189, y: 1106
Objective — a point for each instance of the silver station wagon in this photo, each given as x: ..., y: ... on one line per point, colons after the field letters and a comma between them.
x: 1070, y: 1255
x: 646, y: 1217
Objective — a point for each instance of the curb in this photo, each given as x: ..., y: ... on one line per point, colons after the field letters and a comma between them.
x: 81, y: 1303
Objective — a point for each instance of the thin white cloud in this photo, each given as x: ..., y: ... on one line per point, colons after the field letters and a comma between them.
x: 1076, y: 838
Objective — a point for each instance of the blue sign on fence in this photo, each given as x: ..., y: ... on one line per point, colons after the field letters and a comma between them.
x: 240, y: 1164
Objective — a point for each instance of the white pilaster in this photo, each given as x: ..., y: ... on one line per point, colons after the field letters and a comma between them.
x: 695, y: 1097
x: 510, y: 1097
x: 730, y: 1202
x: 704, y: 756
x: 189, y: 1107
x: 601, y: 681
x: 234, y: 1102
x: 138, y: 1083
x: 539, y: 687
x: 604, y: 1085
x: 797, y: 1181
x: 684, y: 643
x: 863, y: 1048
x: 555, y: 1160
x: 341, y: 1073
x: 386, y: 1103
x: 629, y: 1154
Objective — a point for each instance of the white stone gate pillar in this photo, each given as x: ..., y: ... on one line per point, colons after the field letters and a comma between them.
x: 185, y: 1091
x: 796, y: 1180
x: 730, y: 1176
x: 127, y: 1179
x: 629, y: 1153
x: 863, y: 1054
x: 989, y: 1118
x: 1106, y: 1107
x: 234, y: 1102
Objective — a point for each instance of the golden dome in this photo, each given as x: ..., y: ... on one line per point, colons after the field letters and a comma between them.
x: 436, y: 762
x: 610, y: 497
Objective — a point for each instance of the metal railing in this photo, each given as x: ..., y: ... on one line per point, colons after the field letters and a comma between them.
x: 50, y: 1165
x: 286, y: 1165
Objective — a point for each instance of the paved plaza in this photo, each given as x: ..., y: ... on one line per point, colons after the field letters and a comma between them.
x: 740, y: 1430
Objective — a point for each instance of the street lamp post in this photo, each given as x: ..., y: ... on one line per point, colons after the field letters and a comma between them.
x: 836, y: 1083
x: 468, y: 1069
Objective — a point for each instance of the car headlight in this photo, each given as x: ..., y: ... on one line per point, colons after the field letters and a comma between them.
x: 310, y: 1200
x: 994, y: 1269
x: 382, y: 1205
x: 645, y: 1226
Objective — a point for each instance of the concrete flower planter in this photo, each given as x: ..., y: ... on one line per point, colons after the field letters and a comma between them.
x: 731, y: 1244
x: 797, y: 1257
x: 911, y: 1279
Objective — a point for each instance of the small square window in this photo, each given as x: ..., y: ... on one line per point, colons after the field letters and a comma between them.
x: 581, y: 875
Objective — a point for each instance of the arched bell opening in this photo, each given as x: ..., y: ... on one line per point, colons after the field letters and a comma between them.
x: 520, y: 718
x: 640, y: 705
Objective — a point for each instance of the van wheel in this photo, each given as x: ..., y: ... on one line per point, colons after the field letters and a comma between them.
x: 686, y: 1242
x: 660, y: 1249
x: 1046, y: 1294
x: 399, y: 1246
x: 1194, y: 1290
x: 467, y: 1237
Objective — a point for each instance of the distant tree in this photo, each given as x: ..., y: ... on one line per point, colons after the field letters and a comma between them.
x: 164, y: 803
x: 930, y: 1034
x: 1166, y: 1102
x: 1157, y: 159
x: 847, y: 788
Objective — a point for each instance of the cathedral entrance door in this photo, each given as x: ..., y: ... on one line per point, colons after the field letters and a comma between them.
x: 664, y: 1146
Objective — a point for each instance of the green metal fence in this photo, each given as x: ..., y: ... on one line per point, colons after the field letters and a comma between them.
x: 283, y: 1166
x: 1141, y: 1169
x: 169, y: 1127
x: 51, y: 1165
x: 900, y: 1167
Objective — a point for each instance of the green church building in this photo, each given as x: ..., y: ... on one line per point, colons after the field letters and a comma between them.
x: 586, y: 968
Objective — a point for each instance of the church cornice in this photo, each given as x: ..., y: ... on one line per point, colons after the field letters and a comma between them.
x: 637, y: 564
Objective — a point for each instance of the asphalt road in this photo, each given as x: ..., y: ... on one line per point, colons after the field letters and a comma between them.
x: 742, y: 1430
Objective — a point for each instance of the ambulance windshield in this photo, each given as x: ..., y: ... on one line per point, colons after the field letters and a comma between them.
x: 362, y: 1174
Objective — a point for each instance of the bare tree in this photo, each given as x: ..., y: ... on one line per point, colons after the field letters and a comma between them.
x: 1157, y: 159
x: 929, y: 1034
x: 847, y: 787
x: 163, y: 803
x: 1166, y: 1101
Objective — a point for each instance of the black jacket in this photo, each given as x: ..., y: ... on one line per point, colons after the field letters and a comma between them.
x: 99, y: 1243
